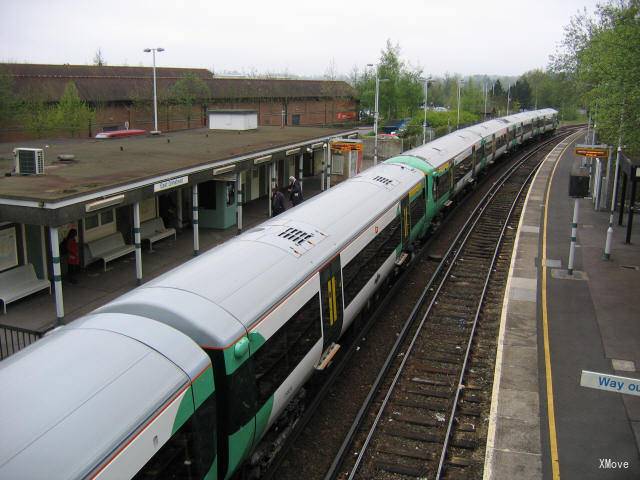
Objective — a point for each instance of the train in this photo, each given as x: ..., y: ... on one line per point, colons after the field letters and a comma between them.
x: 182, y: 376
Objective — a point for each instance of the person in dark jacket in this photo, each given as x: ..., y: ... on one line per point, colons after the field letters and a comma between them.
x: 295, y: 191
x: 277, y: 202
x: 73, y: 254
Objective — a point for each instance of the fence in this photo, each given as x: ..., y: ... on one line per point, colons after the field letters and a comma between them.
x: 14, y: 339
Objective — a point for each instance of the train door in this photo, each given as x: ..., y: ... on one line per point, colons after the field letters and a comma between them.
x: 405, y: 221
x: 331, y: 293
x: 473, y: 162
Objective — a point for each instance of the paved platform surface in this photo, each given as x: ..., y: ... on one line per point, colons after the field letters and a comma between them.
x: 543, y: 423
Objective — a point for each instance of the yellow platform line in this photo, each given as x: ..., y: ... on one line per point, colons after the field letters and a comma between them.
x: 553, y: 440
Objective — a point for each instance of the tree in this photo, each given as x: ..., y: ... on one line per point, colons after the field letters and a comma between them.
x: 401, y: 87
x: 521, y: 92
x: 71, y: 113
x: 8, y: 104
x: 187, y: 92
x: 98, y: 58
x: 601, y: 56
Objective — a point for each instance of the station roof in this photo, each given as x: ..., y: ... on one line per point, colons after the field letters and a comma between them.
x: 104, y: 164
x: 126, y: 84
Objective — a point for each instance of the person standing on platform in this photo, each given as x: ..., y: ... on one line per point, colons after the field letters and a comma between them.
x: 295, y: 191
x: 73, y: 255
x: 277, y: 202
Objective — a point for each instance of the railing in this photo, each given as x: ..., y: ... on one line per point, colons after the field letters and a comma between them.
x: 14, y: 339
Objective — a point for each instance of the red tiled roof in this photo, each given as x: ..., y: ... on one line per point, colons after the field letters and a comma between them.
x: 117, y: 83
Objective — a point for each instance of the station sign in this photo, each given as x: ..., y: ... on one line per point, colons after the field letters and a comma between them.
x: 346, y: 146
x: 610, y: 383
x: 171, y: 183
x: 592, y: 151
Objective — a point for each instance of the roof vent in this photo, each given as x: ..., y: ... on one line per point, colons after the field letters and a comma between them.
x: 296, y: 236
x: 383, y: 180
x: 29, y: 161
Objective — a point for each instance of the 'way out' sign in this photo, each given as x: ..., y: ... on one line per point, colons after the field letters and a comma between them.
x: 610, y: 383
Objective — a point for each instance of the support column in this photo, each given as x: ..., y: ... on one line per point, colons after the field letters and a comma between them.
x: 179, y: 207
x: 623, y: 194
x: 631, y: 209
x: 597, y: 185
x: 137, y: 241
x: 196, y: 232
x: 270, y: 189
x: 323, y: 170
x: 607, y: 245
x: 239, y: 194
x: 328, y: 165
x: 574, y: 235
x: 57, y: 274
x: 300, y: 168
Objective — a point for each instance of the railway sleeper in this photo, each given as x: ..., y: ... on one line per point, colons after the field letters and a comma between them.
x: 421, y: 420
x: 435, y: 357
x: 436, y: 370
x: 424, y: 437
x: 424, y: 405
x: 405, y: 452
x: 459, y: 462
x: 430, y: 393
x: 418, y: 472
x: 466, y: 443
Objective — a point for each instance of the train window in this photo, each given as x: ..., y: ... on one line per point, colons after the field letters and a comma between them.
x: 463, y: 168
x: 442, y: 183
x: 417, y: 208
x: 286, y: 348
x: 242, y: 398
x: 190, y: 452
x: 364, y: 265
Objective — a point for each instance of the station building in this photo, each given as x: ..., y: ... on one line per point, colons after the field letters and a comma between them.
x: 122, y: 97
x: 124, y: 194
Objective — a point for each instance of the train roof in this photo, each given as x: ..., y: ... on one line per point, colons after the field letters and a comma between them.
x: 69, y: 400
x: 456, y: 143
x: 218, y: 295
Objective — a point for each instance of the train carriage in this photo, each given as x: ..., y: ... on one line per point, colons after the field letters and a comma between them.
x: 109, y: 397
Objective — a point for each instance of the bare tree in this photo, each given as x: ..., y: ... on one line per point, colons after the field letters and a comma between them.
x: 98, y: 58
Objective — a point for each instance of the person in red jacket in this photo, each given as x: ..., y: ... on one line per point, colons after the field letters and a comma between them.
x: 73, y: 254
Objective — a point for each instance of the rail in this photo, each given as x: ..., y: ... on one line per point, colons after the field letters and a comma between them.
x: 14, y: 339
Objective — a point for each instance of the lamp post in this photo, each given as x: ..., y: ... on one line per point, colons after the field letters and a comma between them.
x: 486, y: 94
x: 460, y: 81
x: 155, y: 94
x: 508, y: 98
x: 376, y: 113
x: 426, y: 97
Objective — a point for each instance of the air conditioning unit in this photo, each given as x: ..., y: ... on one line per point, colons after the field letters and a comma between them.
x: 29, y: 161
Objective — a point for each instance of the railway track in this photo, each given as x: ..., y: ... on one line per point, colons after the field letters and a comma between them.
x: 323, y: 383
x: 423, y: 413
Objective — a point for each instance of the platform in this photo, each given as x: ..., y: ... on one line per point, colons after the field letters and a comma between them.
x: 543, y: 424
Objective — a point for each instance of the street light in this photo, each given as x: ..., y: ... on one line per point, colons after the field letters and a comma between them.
x: 508, y: 98
x: 155, y: 95
x: 376, y: 113
x: 460, y: 81
x: 426, y: 97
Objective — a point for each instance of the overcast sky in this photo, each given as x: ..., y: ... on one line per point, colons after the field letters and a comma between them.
x: 505, y: 37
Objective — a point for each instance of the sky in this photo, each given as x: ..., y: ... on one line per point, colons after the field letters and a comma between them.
x: 501, y: 37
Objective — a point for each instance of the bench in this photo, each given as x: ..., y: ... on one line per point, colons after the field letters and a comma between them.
x: 109, y: 248
x: 20, y: 282
x: 154, y: 230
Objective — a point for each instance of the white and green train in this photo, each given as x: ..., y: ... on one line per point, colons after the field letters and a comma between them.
x: 182, y: 377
